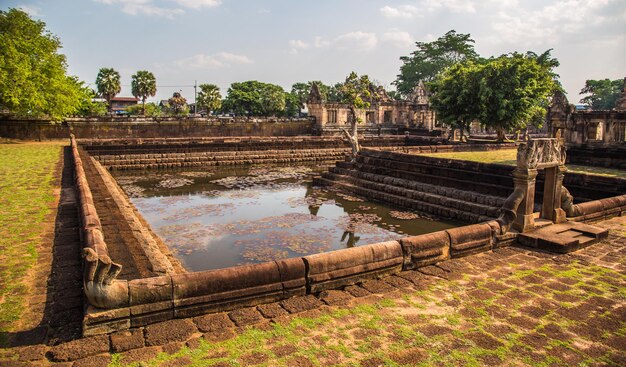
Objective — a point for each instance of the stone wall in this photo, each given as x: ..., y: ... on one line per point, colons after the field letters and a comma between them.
x: 108, y: 128
x: 597, y: 155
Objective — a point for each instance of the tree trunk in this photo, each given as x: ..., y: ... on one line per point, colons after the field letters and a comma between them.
x: 353, y: 137
x: 501, y: 134
x: 143, y: 106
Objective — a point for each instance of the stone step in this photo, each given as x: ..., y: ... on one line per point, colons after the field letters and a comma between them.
x: 563, y: 237
x: 404, y: 202
x: 423, y: 196
x: 468, y: 196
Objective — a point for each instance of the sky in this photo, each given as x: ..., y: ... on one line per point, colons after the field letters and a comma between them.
x: 286, y: 41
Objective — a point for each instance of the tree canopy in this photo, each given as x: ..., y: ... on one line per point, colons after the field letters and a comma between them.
x: 254, y: 98
x: 356, y: 92
x: 431, y: 58
x: 209, y: 98
x: 143, y: 85
x: 177, y: 104
x: 504, y: 93
x: 108, y: 84
x: 33, y: 80
x: 603, y: 93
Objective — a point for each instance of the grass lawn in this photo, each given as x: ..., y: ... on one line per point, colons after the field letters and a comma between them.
x: 508, y: 156
x: 27, y: 185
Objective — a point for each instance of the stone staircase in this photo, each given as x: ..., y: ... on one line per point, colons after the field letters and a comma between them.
x: 437, y: 192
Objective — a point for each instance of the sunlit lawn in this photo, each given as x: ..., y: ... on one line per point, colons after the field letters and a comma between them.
x: 508, y: 157
x: 26, y: 192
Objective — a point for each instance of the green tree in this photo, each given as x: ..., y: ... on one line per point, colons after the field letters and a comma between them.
x: 149, y: 109
x: 177, y: 105
x: 209, y: 98
x: 455, y: 95
x: 33, y: 80
x: 431, y: 58
x: 254, y: 98
x: 513, y: 90
x: 292, y: 105
x: 108, y: 84
x: 356, y: 93
x: 143, y: 85
x: 603, y: 93
x: 89, y: 107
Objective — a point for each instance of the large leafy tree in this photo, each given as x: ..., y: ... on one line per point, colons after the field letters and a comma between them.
x: 356, y: 93
x: 254, y: 98
x: 455, y: 97
x: 504, y: 93
x: 33, y: 79
x: 143, y: 85
x: 431, y: 58
x: 108, y: 84
x: 513, y: 90
x: 603, y: 93
x: 209, y: 98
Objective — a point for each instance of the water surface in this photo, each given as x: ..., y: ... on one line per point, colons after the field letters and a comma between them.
x: 217, y: 218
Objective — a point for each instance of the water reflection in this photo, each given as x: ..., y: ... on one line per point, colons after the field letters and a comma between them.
x: 216, y: 219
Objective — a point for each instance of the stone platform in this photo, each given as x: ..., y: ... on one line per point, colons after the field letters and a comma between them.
x: 563, y: 238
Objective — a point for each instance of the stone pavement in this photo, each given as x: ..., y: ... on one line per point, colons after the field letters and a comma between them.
x: 509, y: 307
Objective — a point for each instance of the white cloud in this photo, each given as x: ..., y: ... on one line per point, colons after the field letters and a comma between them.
x: 548, y: 24
x: 297, y: 45
x: 33, y: 11
x: 196, y: 4
x: 143, y: 7
x: 215, y: 61
x: 321, y: 42
x: 361, y: 41
x: 159, y: 8
x: 402, y: 11
x: 398, y: 38
x: 456, y: 6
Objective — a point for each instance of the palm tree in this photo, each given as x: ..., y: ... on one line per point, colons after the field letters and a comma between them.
x: 108, y: 84
x: 143, y: 86
x: 209, y: 97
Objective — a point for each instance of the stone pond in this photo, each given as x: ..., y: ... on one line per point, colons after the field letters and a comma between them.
x: 213, y: 218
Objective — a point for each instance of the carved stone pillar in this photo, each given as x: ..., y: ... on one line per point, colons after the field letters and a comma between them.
x: 551, y: 208
x: 525, y: 180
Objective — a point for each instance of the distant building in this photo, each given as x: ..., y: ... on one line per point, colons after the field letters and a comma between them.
x: 119, y: 104
x: 606, y: 127
x: 384, y: 113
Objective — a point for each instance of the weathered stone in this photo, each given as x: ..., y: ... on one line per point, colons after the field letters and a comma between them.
x: 80, y: 348
x: 141, y: 354
x: 300, y: 304
x: 272, y: 310
x: 246, y: 316
x: 126, y: 340
x: 169, y: 331
x: 101, y: 360
x: 213, y: 322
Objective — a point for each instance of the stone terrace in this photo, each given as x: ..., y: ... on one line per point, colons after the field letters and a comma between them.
x: 511, y: 306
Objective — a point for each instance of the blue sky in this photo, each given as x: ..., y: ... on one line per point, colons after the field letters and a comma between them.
x: 283, y: 42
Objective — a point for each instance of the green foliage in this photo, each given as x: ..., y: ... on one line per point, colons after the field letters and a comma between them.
x: 513, y: 89
x: 356, y: 93
x: 33, y: 80
x: 431, y: 58
x: 209, y: 98
x: 455, y: 96
x: 603, y: 94
x: 143, y: 85
x: 149, y: 109
x: 253, y: 98
x: 89, y: 107
x: 505, y: 93
x: 177, y: 105
x: 108, y: 84
x: 292, y: 105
